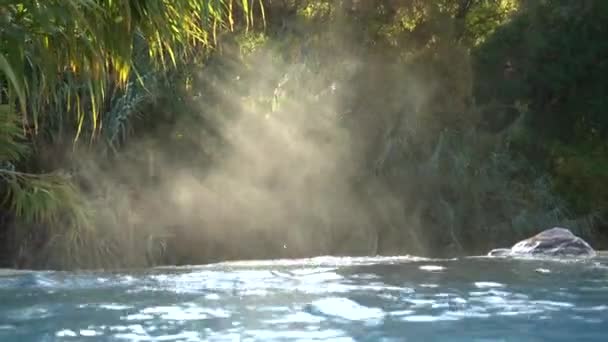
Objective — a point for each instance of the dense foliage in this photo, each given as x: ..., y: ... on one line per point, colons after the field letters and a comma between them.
x: 556, y: 56
x: 81, y: 68
x: 143, y: 132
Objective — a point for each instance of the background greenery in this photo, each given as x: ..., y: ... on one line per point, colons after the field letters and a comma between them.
x: 439, y: 128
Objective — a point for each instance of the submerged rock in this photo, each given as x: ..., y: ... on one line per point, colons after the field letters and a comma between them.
x: 551, y: 242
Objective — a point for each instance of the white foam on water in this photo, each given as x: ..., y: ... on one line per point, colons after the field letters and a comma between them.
x: 432, y: 268
x: 326, y: 261
x: 421, y: 302
x: 552, y: 303
x: 347, y: 309
x: 138, y: 317
x: 212, y: 296
x: 487, y: 284
x: 66, y: 333
x: 593, y: 308
x: 115, y: 307
x: 89, y: 333
x: 401, y: 312
x: 137, y: 333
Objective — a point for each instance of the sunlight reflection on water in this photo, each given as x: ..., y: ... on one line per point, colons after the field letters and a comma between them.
x: 349, y: 299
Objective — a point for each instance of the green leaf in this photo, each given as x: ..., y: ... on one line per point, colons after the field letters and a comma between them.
x: 15, y: 81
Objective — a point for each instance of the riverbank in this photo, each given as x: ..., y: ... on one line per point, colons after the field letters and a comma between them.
x: 299, y: 129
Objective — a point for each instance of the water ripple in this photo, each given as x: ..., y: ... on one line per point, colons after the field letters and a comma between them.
x: 318, y: 299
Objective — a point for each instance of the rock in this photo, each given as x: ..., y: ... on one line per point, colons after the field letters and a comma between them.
x: 551, y: 242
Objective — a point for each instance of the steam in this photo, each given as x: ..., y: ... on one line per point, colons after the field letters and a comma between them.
x: 284, y: 185
x: 347, y: 133
x: 285, y: 167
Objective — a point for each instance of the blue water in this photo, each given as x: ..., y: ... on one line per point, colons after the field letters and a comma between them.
x: 320, y: 299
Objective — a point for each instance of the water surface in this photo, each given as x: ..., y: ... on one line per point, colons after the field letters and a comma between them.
x: 319, y: 299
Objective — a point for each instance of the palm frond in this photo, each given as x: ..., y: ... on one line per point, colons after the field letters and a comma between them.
x: 47, y: 44
x: 12, y: 145
x: 37, y: 198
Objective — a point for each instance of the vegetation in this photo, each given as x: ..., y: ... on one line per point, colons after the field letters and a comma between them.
x: 80, y: 69
x: 135, y: 133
